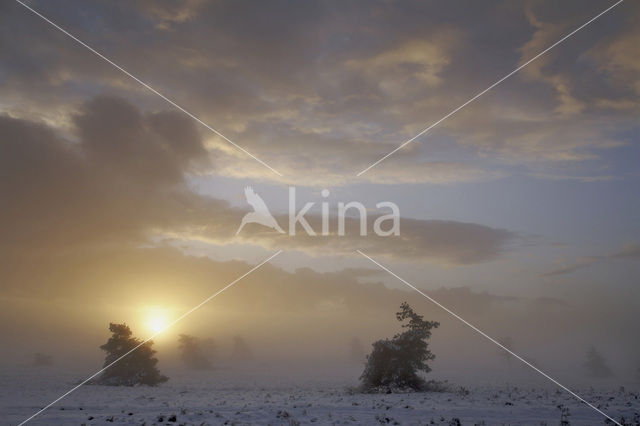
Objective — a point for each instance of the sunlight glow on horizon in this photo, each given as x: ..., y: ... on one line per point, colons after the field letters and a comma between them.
x: 156, y: 319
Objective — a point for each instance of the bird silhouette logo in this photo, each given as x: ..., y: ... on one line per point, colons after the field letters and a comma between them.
x: 260, y: 213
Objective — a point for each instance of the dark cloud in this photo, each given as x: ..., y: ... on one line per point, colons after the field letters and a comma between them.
x: 123, y: 179
x: 331, y: 88
x: 155, y: 149
x: 444, y: 242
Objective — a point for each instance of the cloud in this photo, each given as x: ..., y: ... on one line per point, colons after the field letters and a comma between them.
x: 121, y: 180
x: 442, y: 242
x: 629, y: 252
x: 581, y: 263
x: 619, y: 59
x: 546, y: 34
x: 413, y: 63
x: 330, y: 89
x: 595, y: 178
x: 167, y: 15
x: 99, y: 189
x: 155, y: 149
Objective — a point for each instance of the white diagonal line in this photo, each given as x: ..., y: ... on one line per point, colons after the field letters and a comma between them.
x: 145, y: 85
x: 476, y: 329
x: 190, y: 311
x: 425, y: 130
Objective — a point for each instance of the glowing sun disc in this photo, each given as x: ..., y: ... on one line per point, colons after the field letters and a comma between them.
x: 157, y: 320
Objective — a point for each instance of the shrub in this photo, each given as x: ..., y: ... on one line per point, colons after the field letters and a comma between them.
x: 192, y: 354
x: 596, y: 365
x: 396, y: 362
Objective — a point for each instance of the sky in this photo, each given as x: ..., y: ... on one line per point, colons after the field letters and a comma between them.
x: 519, y: 212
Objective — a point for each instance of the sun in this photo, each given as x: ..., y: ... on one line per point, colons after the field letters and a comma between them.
x: 157, y: 319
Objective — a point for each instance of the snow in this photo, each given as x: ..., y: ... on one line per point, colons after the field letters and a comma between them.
x: 249, y: 397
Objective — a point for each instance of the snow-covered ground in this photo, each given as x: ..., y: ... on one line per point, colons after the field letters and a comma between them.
x: 213, y: 398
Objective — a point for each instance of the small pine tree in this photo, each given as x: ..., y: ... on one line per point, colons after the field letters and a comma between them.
x: 191, y: 353
x: 138, y: 367
x: 596, y: 365
x: 396, y: 362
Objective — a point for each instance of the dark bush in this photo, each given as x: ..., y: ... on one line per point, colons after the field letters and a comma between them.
x: 136, y: 367
x: 395, y: 363
x: 192, y: 354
